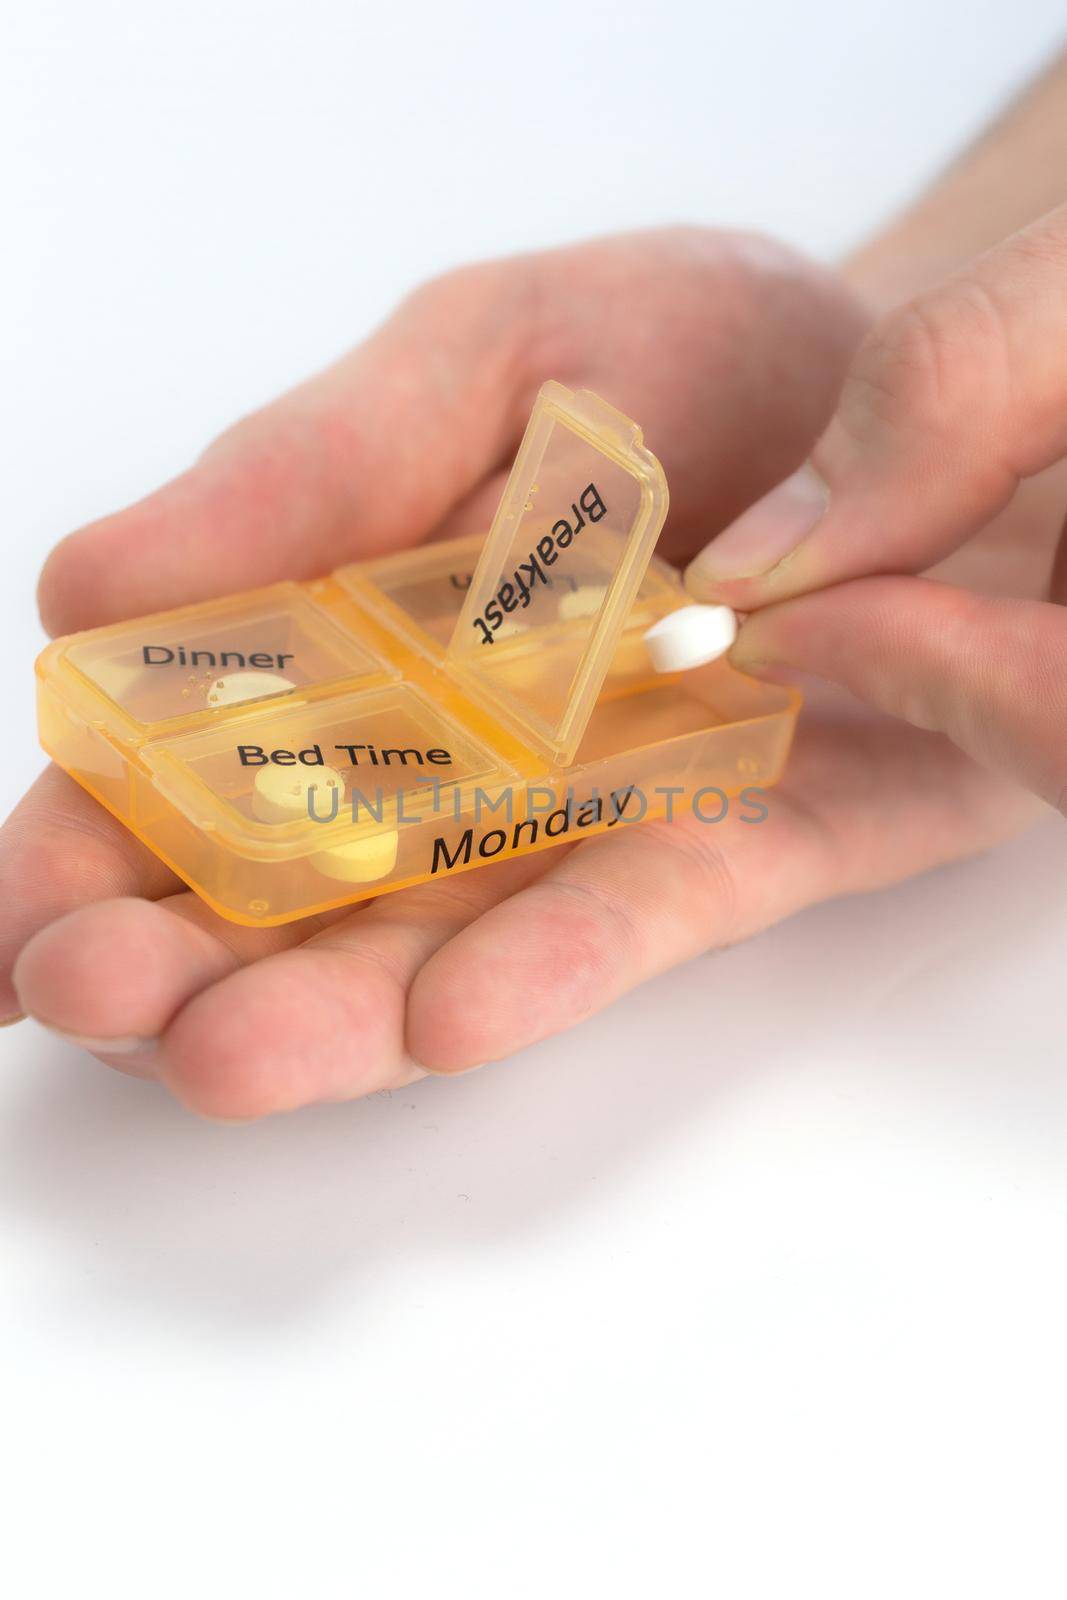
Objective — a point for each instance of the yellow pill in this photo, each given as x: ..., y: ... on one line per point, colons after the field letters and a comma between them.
x: 585, y: 601
x: 361, y: 862
x: 282, y: 794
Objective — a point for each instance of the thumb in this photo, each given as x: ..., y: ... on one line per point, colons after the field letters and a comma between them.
x: 950, y: 402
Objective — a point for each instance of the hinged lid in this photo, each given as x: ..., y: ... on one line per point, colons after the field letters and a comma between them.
x: 561, y: 567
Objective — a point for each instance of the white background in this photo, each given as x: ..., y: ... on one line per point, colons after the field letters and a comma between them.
x: 752, y: 1286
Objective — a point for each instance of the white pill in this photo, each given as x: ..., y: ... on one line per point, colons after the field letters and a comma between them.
x: 691, y: 637
x: 237, y: 687
x: 585, y: 601
x: 280, y: 794
x: 361, y: 862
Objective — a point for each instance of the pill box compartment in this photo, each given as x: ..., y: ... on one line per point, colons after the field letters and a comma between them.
x: 420, y: 593
x: 417, y: 593
x: 393, y: 749
x: 291, y: 806
x: 194, y: 798
x: 187, y: 665
x: 458, y: 744
x: 186, y: 792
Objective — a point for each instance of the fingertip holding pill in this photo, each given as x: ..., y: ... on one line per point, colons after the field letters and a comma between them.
x: 691, y: 637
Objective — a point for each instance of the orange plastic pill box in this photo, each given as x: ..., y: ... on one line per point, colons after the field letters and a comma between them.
x: 299, y: 747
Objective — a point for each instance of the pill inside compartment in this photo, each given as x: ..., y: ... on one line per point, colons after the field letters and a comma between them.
x: 338, y: 783
x: 420, y: 593
x: 220, y: 654
x: 535, y: 666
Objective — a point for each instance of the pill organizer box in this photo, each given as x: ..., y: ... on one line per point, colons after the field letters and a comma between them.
x: 298, y: 747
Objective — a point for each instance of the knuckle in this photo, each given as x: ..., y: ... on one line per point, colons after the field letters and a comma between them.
x: 694, y: 876
x: 456, y: 286
x: 488, y: 314
x: 480, y: 296
x: 932, y: 363
x: 705, y: 867
x: 604, y: 933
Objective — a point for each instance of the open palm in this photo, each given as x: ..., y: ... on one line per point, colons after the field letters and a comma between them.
x: 730, y: 352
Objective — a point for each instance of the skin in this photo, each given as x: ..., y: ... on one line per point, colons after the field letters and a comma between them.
x: 953, y: 401
x: 732, y: 353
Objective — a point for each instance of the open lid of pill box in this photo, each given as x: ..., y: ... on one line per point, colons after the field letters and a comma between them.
x: 560, y: 569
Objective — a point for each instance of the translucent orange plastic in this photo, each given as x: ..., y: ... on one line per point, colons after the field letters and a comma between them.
x: 299, y: 747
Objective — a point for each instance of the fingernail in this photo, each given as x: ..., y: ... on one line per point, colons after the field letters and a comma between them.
x: 762, y: 537
x: 455, y: 1072
x: 753, y: 661
x: 131, y: 1047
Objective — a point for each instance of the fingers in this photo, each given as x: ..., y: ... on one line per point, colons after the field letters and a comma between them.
x: 242, y: 1022
x: 951, y: 401
x: 989, y: 673
x: 59, y: 849
x: 450, y: 975
x: 864, y: 804
x: 728, y: 349
x: 323, y: 1020
x: 369, y: 455
x: 113, y: 974
x: 616, y: 911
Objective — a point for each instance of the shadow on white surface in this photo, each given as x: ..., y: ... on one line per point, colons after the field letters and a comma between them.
x: 922, y: 993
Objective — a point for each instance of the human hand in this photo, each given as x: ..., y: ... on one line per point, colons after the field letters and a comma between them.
x: 731, y: 352
x: 953, y: 400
